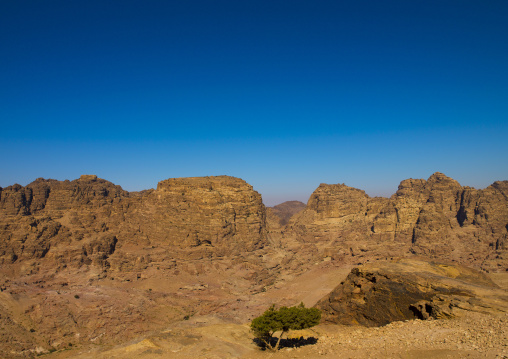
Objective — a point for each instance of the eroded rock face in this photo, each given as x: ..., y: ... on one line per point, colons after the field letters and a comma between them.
x: 193, y: 218
x: 55, y: 197
x: 380, y: 293
x: 71, y: 221
x: 222, y: 212
x: 435, y: 217
x: 85, y: 261
x: 49, y: 214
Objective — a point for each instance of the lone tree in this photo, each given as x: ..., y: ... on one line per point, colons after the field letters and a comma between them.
x: 283, y: 320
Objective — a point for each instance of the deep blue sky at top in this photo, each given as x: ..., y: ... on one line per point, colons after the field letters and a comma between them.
x: 284, y: 94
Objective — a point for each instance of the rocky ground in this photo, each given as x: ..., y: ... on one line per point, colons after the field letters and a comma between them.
x: 471, y: 335
x: 475, y: 336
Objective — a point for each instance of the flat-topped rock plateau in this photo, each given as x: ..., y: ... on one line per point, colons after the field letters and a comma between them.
x: 89, y: 270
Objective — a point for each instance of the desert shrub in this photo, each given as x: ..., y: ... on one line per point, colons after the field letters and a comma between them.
x: 283, y: 320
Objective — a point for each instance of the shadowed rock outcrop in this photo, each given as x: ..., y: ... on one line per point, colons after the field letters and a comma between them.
x: 380, y: 293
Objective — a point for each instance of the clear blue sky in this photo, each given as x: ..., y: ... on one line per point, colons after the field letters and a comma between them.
x: 284, y: 94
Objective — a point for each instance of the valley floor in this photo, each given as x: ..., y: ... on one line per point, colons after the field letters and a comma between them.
x: 474, y: 335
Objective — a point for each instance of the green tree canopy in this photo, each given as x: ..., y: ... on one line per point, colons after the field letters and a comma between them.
x: 283, y: 320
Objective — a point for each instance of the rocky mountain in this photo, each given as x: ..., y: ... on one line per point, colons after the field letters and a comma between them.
x: 84, y: 262
x: 89, y: 219
x: 284, y: 211
x: 437, y: 218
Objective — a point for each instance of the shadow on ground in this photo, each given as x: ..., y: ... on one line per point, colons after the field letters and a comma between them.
x: 287, y: 343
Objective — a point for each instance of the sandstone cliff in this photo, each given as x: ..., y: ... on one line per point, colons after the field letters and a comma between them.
x: 79, y: 259
x: 193, y: 218
x: 436, y: 217
x: 73, y: 221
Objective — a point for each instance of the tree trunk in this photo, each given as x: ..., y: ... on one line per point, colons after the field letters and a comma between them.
x: 278, y: 341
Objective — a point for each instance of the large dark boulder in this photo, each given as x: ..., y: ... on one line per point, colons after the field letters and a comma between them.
x: 379, y: 293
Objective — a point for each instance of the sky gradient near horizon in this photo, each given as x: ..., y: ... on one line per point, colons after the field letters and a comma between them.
x: 286, y: 95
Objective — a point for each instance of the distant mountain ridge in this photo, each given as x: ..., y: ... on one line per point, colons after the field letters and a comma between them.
x: 286, y: 210
x: 215, y: 215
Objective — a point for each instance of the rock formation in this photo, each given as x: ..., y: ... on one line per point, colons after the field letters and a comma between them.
x: 69, y: 251
x: 224, y: 213
x: 382, y: 292
x: 76, y: 219
x: 437, y: 218
x: 193, y: 218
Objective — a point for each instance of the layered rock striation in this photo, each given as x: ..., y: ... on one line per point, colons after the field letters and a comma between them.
x: 93, y: 221
x: 379, y: 293
x: 84, y: 261
x: 87, y: 220
x: 436, y: 218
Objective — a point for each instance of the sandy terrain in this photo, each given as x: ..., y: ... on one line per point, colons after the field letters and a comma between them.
x: 473, y: 335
